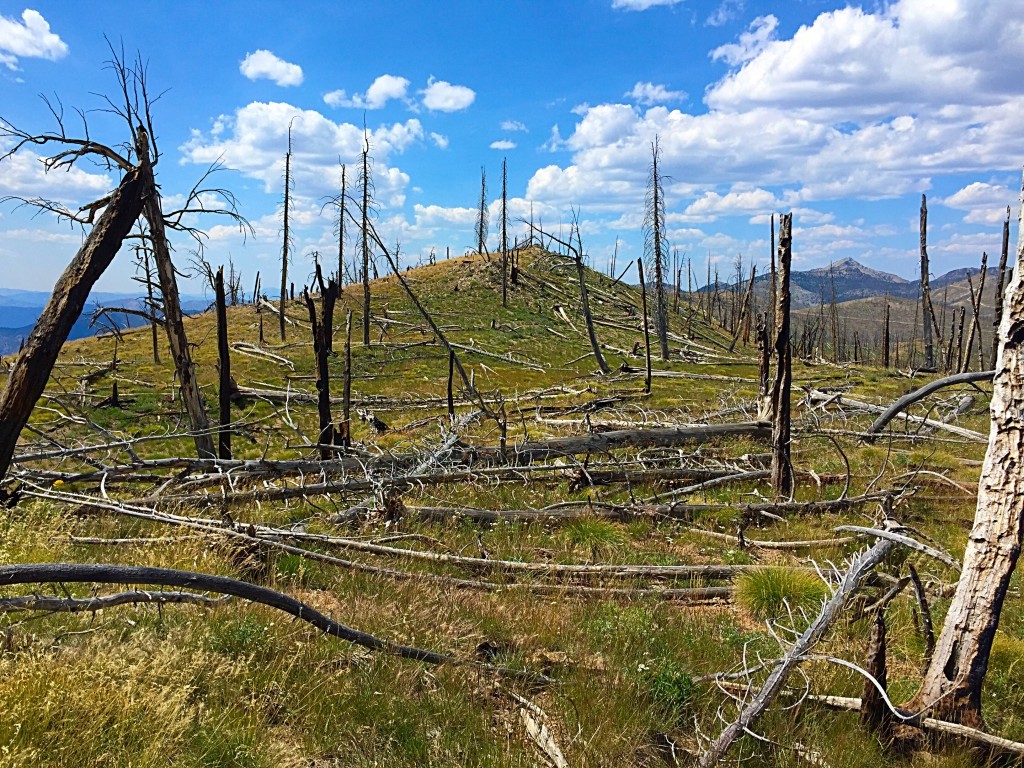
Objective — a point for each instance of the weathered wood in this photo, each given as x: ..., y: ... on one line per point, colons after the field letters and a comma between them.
x: 345, y: 431
x: 322, y: 330
x: 922, y: 392
x: 1004, y: 254
x: 286, y: 239
x: 975, y: 298
x: 31, y: 370
x: 874, y: 714
x: 885, y: 335
x: 191, y: 395
x: 781, y: 471
x: 224, y: 369
x: 859, y: 569
x: 952, y: 686
x: 647, y: 330
x: 926, y: 301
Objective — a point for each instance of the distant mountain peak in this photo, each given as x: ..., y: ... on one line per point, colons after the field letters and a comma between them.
x: 850, y: 267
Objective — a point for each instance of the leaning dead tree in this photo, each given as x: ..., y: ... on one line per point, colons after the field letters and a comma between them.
x: 928, y: 321
x: 577, y: 257
x: 952, y: 684
x: 111, y: 219
x: 656, y: 247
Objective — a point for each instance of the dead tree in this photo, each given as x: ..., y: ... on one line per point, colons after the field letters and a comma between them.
x: 656, y: 247
x: 322, y: 328
x: 952, y: 684
x: 191, y: 396
x: 31, y: 369
x: 647, y: 330
x: 225, y: 388
x: 577, y: 257
x: 504, y: 234
x: 341, y: 229
x: 781, y: 473
x: 287, y: 232
x: 346, y: 388
x: 367, y: 183
x: 772, y: 281
x: 885, y: 335
x: 1000, y: 285
x: 143, y: 262
x: 481, y: 215
x: 976, y: 317
x: 926, y: 297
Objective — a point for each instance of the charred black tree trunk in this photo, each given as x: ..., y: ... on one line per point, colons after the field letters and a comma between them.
x: 647, y: 329
x: 287, y: 233
x: 1000, y: 285
x: 322, y: 329
x: 224, y: 368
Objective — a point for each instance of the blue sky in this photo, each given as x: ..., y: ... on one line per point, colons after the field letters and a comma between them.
x: 842, y: 114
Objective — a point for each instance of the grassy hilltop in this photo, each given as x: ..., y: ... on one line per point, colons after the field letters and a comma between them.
x: 238, y: 684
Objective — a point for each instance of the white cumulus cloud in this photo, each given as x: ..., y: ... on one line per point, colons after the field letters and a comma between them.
x: 442, y: 96
x: 503, y: 144
x: 29, y: 38
x: 264, y: 65
x: 384, y: 89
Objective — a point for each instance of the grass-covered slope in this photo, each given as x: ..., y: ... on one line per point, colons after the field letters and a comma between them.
x: 241, y: 685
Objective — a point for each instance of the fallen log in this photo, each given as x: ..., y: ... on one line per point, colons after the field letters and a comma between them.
x: 920, y: 393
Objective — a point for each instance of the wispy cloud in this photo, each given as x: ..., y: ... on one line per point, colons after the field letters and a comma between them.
x: 649, y: 94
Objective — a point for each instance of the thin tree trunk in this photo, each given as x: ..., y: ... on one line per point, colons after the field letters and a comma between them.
x: 152, y: 305
x: 287, y: 233
x: 504, y: 235
x: 773, y: 283
x: 952, y: 686
x: 32, y: 368
x: 366, y: 244
x: 926, y: 326
x: 191, y: 395
x: 1001, y: 284
x: 224, y: 366
x: 885, y: 335
x: 976, y: 317
x: 647, y: 330
x: 346, y: 386
x: 781, y: 473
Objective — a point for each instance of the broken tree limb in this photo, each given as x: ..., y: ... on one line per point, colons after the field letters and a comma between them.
x: 860, y: 567
x: 57, y: 604
x: 922, y: 392
x: 816, y: 396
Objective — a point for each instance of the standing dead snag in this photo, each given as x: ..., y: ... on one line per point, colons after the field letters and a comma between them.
x: 647, y: 330
x: 364, y: 178
x: 287, y: 232
x: 1000, y: 284
x: 504, y: 234
x: 655, y: 247
x: 322, y: 330
x: 225, y: 388
x: 951, y: 689
x: 481, y: 215
x: 191, y: 395
x: 781, y: 472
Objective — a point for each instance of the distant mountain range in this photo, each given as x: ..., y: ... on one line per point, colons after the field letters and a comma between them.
x: 852, y: 280
x: 19, y: 311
